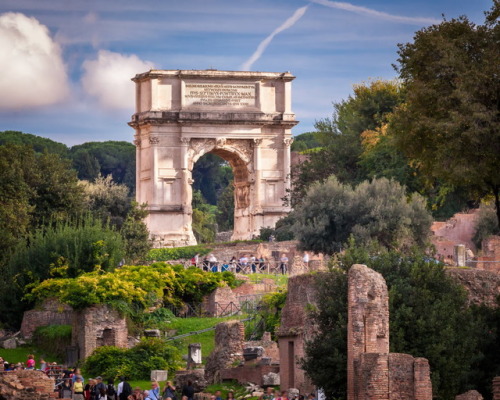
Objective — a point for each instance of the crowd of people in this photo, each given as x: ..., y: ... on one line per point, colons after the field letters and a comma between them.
x: 246, y: 264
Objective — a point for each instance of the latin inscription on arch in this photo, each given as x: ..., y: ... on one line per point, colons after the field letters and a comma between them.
x: 219, y: 94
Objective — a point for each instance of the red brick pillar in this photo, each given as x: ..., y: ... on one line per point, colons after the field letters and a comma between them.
x: 496, y: 388
x: 422, y: 378
x: 373, y: 377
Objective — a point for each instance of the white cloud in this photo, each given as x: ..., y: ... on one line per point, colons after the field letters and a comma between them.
x: 32, y: 72
x: 108, y: 78
x: 247, y: 65
x: 377, y: 14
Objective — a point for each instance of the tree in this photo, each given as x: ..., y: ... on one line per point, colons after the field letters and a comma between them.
x: 107, y: 200
x: 341, y: 136
x: 429, y: 318
x: 135, y: 233
x: 377, y: 210
x: 211, y: 175
x: 38, y: 143
x: 225, y: 209
x: 449, y: 125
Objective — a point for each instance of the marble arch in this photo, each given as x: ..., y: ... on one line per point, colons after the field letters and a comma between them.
x: 243, y: 117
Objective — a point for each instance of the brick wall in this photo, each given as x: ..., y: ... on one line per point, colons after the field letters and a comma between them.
x: 496, y: 388
x: 51, y: 312
x: 248, y: 373
x: 470, y: 395
x: 26, y: 385
x: 372, y: 372
x: 221, y: 302
x: 491, y: 254
x: 97, y: 326
x: 483, y: 287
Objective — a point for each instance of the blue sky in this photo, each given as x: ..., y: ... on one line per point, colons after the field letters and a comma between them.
x: 65, y: 64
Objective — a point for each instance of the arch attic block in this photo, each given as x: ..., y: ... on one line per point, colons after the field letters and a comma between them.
x: 243, y: 117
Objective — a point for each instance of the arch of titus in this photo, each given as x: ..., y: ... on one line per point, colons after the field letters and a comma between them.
x: 243, y: 117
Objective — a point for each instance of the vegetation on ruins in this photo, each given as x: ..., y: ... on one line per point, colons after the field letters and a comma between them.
x: 133, y: 288
x: 449, y: 124
x: 429, y: 318
x: 486, y: 224
x: 134, y: 363
x: 177, y: 253
x: 378, y: 210
x: 269, y: 317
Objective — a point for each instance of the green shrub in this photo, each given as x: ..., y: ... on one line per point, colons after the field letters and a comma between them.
x: 177, y: 253
x: 486, y: 225
x: 135, y: 363
x: 53, y: 339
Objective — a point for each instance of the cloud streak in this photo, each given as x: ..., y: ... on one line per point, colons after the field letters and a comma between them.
x: 377, y: 14
x: 247, y: 65
x: 33, y: 72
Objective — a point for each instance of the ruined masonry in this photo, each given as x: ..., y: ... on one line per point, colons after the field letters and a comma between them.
x: 372, y: 372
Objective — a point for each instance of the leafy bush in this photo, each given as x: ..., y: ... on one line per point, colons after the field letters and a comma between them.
x: 53, y: 339
x: 177, y: 253
x: 134, y: 287
x: 270, y: 313
x: 135, y: 363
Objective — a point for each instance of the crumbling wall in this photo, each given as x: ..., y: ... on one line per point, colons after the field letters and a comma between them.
x: 490, y: 259
x: 229, y: 340
x: 483, y: 287
x: 220, y: 303
x: 99, y: 325
x: 295, y: 328
x: 470, y: 395
x: 26, y: 385
x: 372, y: 372
x: 51, y: 312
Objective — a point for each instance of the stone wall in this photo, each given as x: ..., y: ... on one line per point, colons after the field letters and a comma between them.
x: 372, y: 372
x: 26, y: 385
x: 96, y: 326
x: 295, y: 329
x: 228, y: 351
x: 490, y: 259
x: 249, y: 373
x: 51, y: 312
x: 483, y: 287
x: 457, y: 230
x: 220, y: 303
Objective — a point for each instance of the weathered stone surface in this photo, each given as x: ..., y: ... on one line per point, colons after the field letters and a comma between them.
x: 373, y: 372
x: 159, y: 375
x: 96, y: 326
x: 229, y: 339
x: 26, y: 385
x: 470, y: 395
x: 222, y: 302
x: 51, y: 312
x: 243, y: 117
x: 152, y: 333
x: 483, y: 287
x: 293, y: 393
x: 271, y: 379
x: 196, y: 376
x: 194, y: 355
x: 9, y: 343
x: 252, y: 352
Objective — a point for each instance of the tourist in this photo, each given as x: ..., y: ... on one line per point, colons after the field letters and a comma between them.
x: 232, y: 264
x: 230, y: 395
x: 65, y: 391
x: 110, y: 390
x: 283, y: 264
x: 212, y: 260
x: 305, y: 258
x: 262, y: 264
x: 124, y: 390
x: 252, y: 264
x: 269, y: 395
x: 195, y: 260
x: 43, y: 365
x: 89, y: 389
x: 283, y: 395
x: 30, y: 364
x: 244, y: 263
x: 154, y: 393
x: 137, y: 395
x: 169, y: 391
x: 218, y: 395
x: 188, y: 390
x: 78, y: 392
x: 77, y: 372
x: 99, y: 387
x: 225, y: 266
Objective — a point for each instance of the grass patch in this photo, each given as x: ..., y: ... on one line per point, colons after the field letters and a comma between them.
x: 21, y: 355
x: 280, y: 280
x: 207, y: 339
x: 226, y: 387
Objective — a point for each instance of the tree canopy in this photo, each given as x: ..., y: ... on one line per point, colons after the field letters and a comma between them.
x: 376, y: 210
x: 449, y: 125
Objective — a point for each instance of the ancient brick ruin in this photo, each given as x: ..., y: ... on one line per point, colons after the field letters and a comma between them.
x: 99, y: 325
x: 51, y: 312
x: 26, y: 385
x: 373, y: 372
x: 295, y: 329
x: 483, y: 287
x: 221, y: 302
